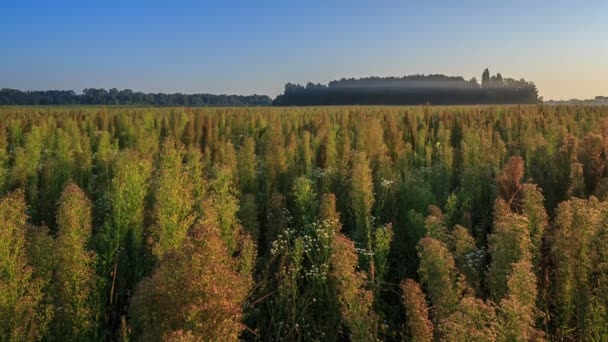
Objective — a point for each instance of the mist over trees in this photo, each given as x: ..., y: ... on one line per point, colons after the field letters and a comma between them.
x: 91, y: 96
x: 407, y: 90
x: 411, y: 90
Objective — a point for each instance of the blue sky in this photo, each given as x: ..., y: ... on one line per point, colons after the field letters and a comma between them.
x: 250, y: 47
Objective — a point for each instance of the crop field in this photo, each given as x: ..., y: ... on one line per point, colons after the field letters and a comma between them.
x: 454, y: 223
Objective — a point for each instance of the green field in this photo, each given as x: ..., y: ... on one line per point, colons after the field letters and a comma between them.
x: 458, y: 223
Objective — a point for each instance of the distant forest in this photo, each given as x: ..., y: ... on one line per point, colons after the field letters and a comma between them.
x: 408, y: 90
x: 411, y: 90
x: 597, y: 101
x: 125, y: 97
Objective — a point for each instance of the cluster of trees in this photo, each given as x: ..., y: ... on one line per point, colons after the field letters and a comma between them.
x: 114, y: 96
x: 411, y: 90
x: 329, y: 223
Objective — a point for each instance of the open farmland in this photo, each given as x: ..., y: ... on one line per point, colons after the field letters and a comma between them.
x: 316, y: 223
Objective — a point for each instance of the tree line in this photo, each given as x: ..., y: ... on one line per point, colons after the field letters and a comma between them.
x: 596, y: 101
x: 91, y: 96
x: 411, y: 90
x: 318, y: 223
x: 407, y: 90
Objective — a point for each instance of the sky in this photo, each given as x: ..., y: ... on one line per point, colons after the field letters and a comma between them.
x: 248, y: 47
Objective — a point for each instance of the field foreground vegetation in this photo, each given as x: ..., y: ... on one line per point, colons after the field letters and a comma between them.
x: 480, y: 223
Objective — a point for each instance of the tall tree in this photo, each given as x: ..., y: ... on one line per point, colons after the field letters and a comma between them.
x: 485, y: 78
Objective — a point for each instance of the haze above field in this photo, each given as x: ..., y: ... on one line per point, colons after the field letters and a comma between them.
x: 257, y: 47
